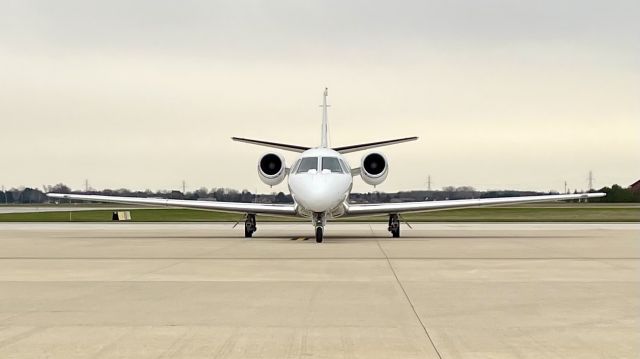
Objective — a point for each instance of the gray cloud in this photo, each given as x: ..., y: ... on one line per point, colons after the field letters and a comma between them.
x: 291, y: 25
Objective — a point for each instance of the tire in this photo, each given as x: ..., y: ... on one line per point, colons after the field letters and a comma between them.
x: 319, y: 235
x: 247, y: 233
x: 396, y: 233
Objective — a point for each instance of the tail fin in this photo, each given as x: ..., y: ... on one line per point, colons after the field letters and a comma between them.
x: 324, y: 141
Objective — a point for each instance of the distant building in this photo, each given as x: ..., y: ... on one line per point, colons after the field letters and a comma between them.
x: 635, y: 187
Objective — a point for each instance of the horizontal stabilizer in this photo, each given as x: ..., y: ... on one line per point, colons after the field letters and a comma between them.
x: 281, y: 146
x: 366, y: 146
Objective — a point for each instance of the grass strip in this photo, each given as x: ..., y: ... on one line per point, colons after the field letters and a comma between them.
x: 488, y: 214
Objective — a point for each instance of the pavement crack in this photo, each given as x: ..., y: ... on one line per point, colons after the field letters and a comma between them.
x: 16, y: 338
x: 413, y: 308
x: 107, y: 350
x: 155, y: 270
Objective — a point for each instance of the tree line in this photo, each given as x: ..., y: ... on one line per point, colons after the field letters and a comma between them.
x: 26, y: 195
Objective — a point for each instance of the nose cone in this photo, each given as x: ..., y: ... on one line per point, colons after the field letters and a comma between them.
x: 319, y: 192
x: 318, y: 199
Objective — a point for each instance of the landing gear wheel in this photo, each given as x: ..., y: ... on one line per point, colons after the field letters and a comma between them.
x: 394, y: 225
x: 319, y: 220
x: 249, y: 225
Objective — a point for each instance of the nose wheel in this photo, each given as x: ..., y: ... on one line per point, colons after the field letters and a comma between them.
x: 394, y: 225
x: 249, y: 225
x: 319, y: 220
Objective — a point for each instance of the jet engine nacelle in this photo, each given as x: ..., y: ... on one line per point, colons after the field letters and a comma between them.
x: 272, y: 169
x: 374, y: 168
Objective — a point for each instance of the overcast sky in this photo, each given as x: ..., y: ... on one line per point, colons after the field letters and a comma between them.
x: 144, y: 94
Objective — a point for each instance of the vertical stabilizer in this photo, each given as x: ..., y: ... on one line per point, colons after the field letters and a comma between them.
x: 324, y: 141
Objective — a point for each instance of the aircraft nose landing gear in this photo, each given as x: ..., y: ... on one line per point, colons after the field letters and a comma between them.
x: 394, y: 225
x: 249, y: 225
x: 319, y: 221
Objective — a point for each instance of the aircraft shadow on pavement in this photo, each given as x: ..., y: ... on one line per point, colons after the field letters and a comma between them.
x: 341, y: 237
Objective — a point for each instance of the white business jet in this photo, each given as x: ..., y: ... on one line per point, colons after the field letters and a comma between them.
x: 320, y: 182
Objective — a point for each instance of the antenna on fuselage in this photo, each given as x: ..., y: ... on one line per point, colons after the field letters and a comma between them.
x: 324, y: 140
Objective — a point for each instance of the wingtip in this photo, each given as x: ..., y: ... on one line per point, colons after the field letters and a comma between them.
x: 594, y: 195
x: 56, y: 195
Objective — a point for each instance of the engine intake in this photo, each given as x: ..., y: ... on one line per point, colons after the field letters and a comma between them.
x: 271, y: 169
x: 374, y: 168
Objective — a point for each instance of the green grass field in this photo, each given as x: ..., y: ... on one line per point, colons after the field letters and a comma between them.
x: 551, y: 213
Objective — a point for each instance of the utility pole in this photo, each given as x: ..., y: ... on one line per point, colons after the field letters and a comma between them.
x: 429, y: 183
x: 86, y: 185
x: 590, y: 180
x: 184, y: 187
x: 565, y: 187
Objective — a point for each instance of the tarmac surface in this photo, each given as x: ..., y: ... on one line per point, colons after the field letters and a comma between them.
x: 199, y: 290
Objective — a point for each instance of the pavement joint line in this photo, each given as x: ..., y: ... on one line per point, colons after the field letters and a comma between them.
x: 326, y: 258
x: 405, y: 238
x: 138, y: 277
x: 426, y: 332
x: 533, y: 245
x: 605, y: 261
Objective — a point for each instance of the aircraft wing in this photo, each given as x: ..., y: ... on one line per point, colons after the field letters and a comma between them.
x: 405, y: 207
x: 234, y: 207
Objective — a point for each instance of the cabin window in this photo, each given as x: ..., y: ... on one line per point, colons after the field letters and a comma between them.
x: 307, y: 163
x: 332, y: 164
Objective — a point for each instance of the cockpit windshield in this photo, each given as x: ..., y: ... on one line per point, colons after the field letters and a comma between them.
x: 332, y: 164
x: 307, y: 163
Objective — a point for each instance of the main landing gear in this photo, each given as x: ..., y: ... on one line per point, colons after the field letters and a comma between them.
x: 249, y: 225
x: 394, y: 225
x: 319, y: 220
